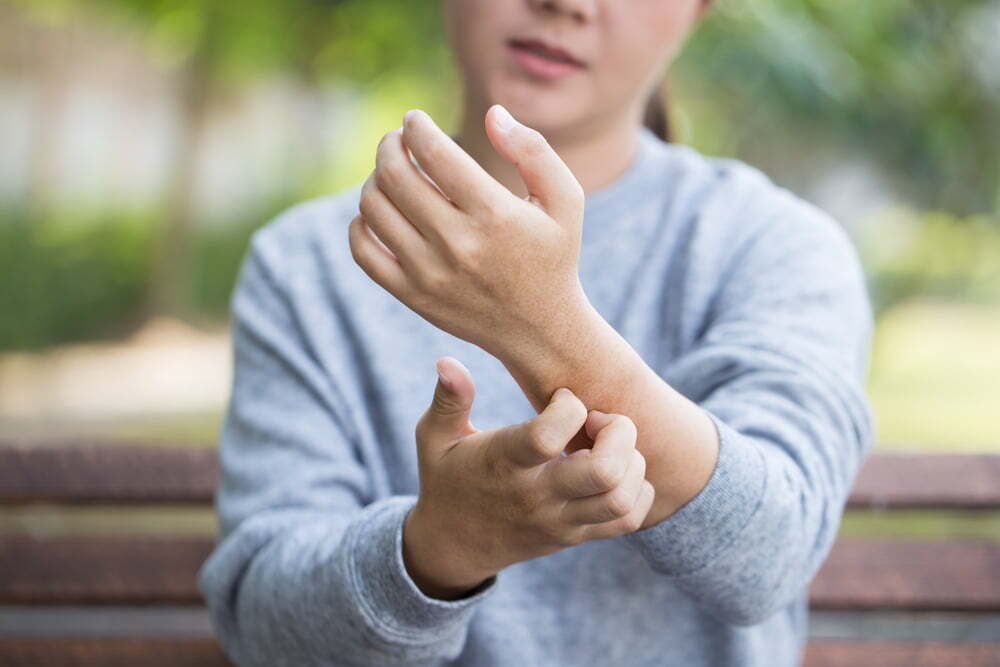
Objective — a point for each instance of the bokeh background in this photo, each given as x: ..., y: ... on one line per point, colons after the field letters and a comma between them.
x: 143, y: 141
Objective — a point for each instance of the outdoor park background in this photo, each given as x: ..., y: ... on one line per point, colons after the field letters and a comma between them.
x: 144, y: 140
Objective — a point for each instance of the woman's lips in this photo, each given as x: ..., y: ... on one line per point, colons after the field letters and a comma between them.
x: 541, y: 60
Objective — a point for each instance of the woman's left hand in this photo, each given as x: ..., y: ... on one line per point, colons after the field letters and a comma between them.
x: 462, y: 250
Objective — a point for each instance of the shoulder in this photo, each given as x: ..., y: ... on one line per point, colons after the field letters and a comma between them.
x: 738, y: 217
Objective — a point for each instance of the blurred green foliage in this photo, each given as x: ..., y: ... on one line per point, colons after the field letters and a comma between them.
x: 64, y: 281
x: 912, y: 85
x: 936, y: 255
x: 904, y: 83
x: 69, y: 281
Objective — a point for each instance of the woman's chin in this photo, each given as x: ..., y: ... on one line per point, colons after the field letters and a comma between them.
x: 542, y: 110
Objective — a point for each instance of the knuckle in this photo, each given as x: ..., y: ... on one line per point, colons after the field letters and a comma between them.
x: 543, y: 440
x: 570, y: 538
x: 627, y: 426
x: 432, y: 281
x: 617, y: 504
x: 640, y: 461
x: 466, y: 249
x: 354, y: 232
x: 578, y: 410
x: 502, y: 212
x: 606, y: 473
x: 388, y: 173
x: 632, y: 522
x: 366, y: 205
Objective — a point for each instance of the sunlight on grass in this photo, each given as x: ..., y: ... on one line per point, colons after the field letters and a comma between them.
x: 921, y: 524
x: 935, y: 380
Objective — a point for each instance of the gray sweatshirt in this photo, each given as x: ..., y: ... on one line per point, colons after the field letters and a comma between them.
x: 743, y: 297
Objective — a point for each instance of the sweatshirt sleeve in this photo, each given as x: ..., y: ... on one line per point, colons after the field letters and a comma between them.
x: 779, y: 368
x: 309, y: 568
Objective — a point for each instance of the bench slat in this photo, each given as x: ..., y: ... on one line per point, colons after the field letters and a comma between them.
x: 101, y: 569
x: 957, y: 575
x: 112, y: 652
x: 928, y: 481
x: 824, y: 653
x: 85, y: 471
x: 205, y: 652
x: 94, y: 472
x: 952, y: 575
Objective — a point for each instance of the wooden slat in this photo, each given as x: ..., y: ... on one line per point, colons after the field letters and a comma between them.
x: 115, y: 652
x: 955, y: 575
x: 946, y: 481
x: 101, y: 569
x: 86, y: 471
x: 859, y: 574
x: 100, y: 472
x: 112, y: 652
x: 901, y: 654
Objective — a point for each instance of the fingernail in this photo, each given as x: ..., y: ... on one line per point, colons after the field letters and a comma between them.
x: 444, y: 380
x: 561, y: 391
x: 505, y: 121
x: 598, y: 413
x: 409, y: 116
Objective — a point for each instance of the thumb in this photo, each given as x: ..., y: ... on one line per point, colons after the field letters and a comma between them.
x: 448, y: 414
x: 550, y: 182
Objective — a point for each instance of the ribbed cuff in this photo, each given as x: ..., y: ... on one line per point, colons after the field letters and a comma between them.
x: 389, y: 597
x: 708, y: 524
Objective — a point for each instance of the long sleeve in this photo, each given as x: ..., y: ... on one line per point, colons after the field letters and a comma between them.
x: 779, y: 367
x: 309, y: 567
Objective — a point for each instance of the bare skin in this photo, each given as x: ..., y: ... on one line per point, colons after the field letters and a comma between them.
x: 485, y: 245
x: 490, y: 499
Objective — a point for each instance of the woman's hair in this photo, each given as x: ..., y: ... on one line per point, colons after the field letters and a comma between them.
x: 657, y: 116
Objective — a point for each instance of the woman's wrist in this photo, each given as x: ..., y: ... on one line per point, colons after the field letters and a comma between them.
x: 571, y: 325
x: 434, y: 563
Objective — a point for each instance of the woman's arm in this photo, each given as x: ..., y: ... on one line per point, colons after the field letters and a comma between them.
x: 309, y: 567
x: 742, y: 524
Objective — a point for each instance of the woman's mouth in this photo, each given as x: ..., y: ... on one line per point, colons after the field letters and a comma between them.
x: 543, y: 60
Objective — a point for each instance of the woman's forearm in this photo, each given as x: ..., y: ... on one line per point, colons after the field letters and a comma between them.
x: 586, y: 354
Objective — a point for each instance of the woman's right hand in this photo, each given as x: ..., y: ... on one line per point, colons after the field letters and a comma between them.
x: 489, y: 499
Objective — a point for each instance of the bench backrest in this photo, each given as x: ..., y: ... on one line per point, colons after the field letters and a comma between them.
x: 53, y: 575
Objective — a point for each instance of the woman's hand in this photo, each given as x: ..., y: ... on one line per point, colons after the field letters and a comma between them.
x: 459, y: 248
x: 489, y: 499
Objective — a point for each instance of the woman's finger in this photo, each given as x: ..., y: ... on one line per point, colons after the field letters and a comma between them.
x: 412, y: 193
x: 458, y: 175
x: 610, y: 505
x: 601, y: 468
x: 374, y: 259
x: 628, y: 523
x: 543, y: 437
x: 391, y: 226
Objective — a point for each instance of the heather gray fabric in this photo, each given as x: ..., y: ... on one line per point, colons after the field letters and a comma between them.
x: 743, y: 297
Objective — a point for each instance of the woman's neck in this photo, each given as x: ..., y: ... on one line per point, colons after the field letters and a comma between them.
x: 597, y: 155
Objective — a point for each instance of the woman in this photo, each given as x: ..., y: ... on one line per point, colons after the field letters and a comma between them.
x: 693, y: 339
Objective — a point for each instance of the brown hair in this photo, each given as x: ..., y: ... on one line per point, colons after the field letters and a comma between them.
x: 657, y: 116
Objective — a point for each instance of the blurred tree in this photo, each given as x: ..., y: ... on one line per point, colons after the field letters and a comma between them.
x: 911, y: 84
x: 213, y: 45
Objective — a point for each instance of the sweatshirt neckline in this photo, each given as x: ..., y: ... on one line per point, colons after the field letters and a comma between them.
x: 646, y: 144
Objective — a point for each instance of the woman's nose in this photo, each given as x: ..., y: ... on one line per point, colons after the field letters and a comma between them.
x: 580, y: 10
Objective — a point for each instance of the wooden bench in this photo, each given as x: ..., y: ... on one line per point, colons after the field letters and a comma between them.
x: 131, y: 599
